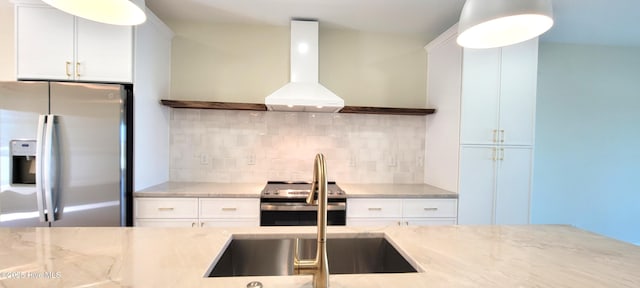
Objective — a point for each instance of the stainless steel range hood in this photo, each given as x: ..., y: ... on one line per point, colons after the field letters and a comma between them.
x: 303, y: 92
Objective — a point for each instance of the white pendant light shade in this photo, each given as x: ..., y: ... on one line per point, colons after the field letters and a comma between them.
x: 116, y: 12
x: 497, y: 23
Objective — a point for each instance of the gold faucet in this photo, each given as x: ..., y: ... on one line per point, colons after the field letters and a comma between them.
x: 318, y: 267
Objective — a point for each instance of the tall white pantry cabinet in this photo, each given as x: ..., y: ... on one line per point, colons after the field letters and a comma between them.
x: 480, y: 143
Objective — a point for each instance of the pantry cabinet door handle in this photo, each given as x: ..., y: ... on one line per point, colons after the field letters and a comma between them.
x: 375, y: 209
x: 202, y: 224
x: 66, y: 68
x: 501, y: 154
x: 406, y: 223
x: 77, y: 69
x: 193, y: 224
x: 165, y: 209
x: 501, y: 136
x: 430, y: 208
x: 399, y: 223
x: 495, y: 136
x: 229, y: 209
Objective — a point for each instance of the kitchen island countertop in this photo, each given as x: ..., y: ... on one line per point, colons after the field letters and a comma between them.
x: 448, y: 256
x: 252, y: 190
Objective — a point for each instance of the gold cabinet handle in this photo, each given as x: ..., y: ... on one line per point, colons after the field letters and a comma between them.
x: 375, y: 209
x: 193, y: 224
x: 66, y: 68
x: 229, y: 209
x: 165, y: 209
x: 501, y: 154
x: 430, y: 208
x: 494, y: 154
x: 77, y: 69
x: 399, y: 223
x: 406, y: 223
x: 501, y: 136
x: 495, y: 136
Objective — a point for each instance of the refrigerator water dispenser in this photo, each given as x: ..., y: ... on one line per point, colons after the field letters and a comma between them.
x: 23, y: 162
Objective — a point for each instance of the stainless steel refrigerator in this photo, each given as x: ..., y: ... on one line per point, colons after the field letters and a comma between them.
x: 65, y: 154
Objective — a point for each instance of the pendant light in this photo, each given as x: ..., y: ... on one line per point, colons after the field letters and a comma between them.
x: 116, y: 12
x: 498, y: 23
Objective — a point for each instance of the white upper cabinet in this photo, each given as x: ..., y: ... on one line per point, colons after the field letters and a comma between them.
x: 54, y: 45
x: 480, y: 96
x: 44, y: 42
x: 498, y: 95
x: 518, y: 82
x: 103, y: 52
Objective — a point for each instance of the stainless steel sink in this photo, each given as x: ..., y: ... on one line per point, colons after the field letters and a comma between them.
x: 271, y: 257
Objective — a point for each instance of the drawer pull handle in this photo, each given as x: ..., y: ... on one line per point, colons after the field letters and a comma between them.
x: 66, y: 68
x: 165, y: 209
x: 193, y: 224
x: 431, y: 209
x: 375, y: 209
x: 201, y: 224
x: 229, y: 209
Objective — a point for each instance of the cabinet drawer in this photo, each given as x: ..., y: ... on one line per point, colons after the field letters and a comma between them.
x: 367, y: 208
x: 166, y: 208
x: 229, y: 208
x: 430, y: 208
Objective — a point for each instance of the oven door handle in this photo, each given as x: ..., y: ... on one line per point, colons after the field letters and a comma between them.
x: 300, y: 207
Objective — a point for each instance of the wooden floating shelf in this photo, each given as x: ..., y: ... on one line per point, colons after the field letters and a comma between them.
x: 261, y: 107
x: 213, y: 105
x: 387, y: 110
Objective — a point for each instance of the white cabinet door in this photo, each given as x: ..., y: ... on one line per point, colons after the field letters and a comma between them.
x: 477, y: 185
x: 480, y: 96
x: 104, y: 52
x: 513, y: 186
x: 518, y: 93
x: 44, y: 43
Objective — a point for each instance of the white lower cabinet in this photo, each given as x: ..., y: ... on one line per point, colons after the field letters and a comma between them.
x: 401, y: 212
x: 495, y: 185
x: 197, y: 212
x: 225, y: 212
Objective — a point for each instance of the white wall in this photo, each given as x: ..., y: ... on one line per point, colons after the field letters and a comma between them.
x: 7, y: 42
x: 587, y: 162
x: 245, y: 63
x: 151, y: 120
x: 251, y: 146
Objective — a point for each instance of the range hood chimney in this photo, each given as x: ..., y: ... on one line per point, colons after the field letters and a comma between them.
x: 303, y: 92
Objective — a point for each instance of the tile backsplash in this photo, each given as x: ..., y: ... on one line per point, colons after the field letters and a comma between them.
x: 252, y: 146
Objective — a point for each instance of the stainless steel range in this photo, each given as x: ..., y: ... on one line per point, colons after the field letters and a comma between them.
x: 283, y: 204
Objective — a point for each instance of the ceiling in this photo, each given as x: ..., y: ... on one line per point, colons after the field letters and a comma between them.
x: 603, y: 22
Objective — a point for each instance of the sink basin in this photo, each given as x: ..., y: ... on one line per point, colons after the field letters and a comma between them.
x: 272, y: 257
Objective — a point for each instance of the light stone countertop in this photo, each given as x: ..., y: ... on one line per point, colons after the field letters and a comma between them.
x: 448, y: 256
x: 395, y: 191
x: 252, y: 190
x: 202, y: 189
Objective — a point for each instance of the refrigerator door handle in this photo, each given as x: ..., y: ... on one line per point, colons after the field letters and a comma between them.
x: 48, y: 168
x: 39, y: 167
